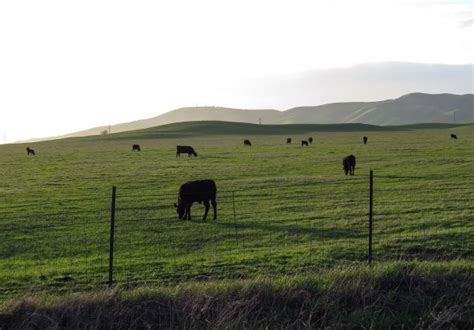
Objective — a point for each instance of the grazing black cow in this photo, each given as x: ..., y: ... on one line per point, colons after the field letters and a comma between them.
x: 310, y: 140
x: 304, y: 143
x: 288, y: 141
x: 365, y: 138
x: 185, y: 150
x: 201, y: 191
x: 454, y: 136
x: 349, y: 164
x: 136, y: 147
x: 30, y: 151
x: 247, y: 143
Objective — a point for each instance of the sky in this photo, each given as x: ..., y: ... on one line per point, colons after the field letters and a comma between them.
x: 71, y: 65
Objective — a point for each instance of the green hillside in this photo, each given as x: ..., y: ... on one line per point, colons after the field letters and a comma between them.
x: 209, y: 128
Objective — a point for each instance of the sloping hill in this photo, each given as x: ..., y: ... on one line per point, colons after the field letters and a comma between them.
x: 221, y: 128
x: 409, y: 109
x: 205, y: 128
x: 200, y: 114
x: 324, y: 114
x: 418, y: 108
x: 181, y: 115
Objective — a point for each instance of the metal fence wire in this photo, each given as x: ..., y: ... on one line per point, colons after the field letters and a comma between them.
x: 260, y: 231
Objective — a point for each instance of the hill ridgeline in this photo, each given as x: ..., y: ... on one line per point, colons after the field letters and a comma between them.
x: 409, y: 109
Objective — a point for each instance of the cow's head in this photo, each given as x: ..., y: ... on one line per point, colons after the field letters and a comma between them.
x: 179, y: 209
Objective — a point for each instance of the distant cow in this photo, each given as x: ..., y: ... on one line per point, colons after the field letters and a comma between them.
x: 288, y: 141
x: 201, y: 191
x: 185, y: 150
x: 365, y: 138
x: 136, y: 147
x: 30, y: 151
x: 454, y: 136
x: 310, y: 140
x: 348, y: 164
x: 304, y: 143
x: 247, y: 143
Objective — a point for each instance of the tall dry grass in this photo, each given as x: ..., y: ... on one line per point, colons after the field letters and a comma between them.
x: 401, y: 295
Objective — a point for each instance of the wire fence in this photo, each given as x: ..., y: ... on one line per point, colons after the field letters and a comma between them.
x: 271, y: 231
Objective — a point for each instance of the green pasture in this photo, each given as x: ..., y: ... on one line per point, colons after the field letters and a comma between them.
x: 282, y: 209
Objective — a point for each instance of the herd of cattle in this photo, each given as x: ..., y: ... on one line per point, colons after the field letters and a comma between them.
x: 190, y: 151
x: 204, y: 191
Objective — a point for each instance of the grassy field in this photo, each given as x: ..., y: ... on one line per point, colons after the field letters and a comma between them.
x: 282, y: 209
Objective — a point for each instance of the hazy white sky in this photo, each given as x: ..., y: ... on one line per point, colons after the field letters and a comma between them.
x: 72, y: 65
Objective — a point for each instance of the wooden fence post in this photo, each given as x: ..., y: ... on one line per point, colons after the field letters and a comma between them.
x: 112, y: 232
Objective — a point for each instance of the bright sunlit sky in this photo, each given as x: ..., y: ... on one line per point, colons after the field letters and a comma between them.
x: 72, y: 65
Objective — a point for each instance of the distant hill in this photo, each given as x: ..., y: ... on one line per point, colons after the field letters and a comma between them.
x: 409, y: 109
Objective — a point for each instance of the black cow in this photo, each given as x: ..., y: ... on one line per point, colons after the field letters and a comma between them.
x: 136, y: 147
x: 349, y: 164
x: 247, y: 143
x: 30, y: 151
x: 288, y: 141
x: 365, y: 138
x: 201, y: 191
x: 454, y: 136
x: 304, y: 143
x: 310, y: 140
x: 185, y: 150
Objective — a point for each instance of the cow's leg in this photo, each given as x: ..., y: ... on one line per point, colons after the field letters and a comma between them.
x: 206, y: 210
x: 188, y: 212
x: 214, y: 207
